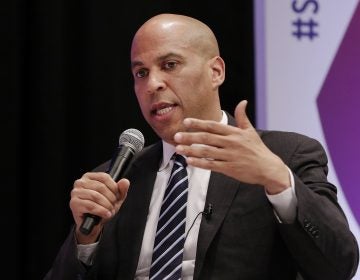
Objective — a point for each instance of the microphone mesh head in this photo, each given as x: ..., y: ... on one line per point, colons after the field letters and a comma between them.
x: 133, y: 138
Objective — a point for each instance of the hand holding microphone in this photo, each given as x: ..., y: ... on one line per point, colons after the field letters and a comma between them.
x: 131, y: 141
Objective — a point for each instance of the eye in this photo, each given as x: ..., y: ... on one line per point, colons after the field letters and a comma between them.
x: 169, y: 65
x: 141, y: 73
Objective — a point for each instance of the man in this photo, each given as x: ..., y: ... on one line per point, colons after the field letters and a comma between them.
x: 274, y: 214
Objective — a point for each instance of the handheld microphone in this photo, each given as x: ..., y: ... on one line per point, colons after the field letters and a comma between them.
x: 131, y: 141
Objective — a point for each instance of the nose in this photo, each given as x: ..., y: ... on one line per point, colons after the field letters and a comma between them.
x: 155, y: 82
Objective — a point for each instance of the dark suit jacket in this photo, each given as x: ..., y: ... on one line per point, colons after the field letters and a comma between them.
x: 242, y: 239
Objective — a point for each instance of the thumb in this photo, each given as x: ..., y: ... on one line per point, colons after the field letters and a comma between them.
x: 242, y: 119
x: 123, y: 187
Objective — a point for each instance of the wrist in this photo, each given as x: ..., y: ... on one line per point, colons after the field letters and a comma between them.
x: 278, y: 179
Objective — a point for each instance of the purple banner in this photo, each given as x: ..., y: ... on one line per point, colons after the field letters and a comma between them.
x: 339, y: 108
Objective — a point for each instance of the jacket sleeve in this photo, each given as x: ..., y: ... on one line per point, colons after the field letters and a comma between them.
x: 320, y: 240
x: 66, y: 264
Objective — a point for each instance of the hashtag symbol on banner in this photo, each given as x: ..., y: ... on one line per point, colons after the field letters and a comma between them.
x: 305, y: 29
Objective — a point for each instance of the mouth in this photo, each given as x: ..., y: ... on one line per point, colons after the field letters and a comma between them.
x: 161, y: 109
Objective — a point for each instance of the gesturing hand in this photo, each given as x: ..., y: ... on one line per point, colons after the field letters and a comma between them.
x: 237, y: 152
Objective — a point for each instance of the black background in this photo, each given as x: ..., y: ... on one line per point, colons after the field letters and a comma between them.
x: 68, y: 94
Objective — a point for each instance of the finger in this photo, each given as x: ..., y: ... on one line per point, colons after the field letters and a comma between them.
x: 102, y: 177
x: 93, y: 199
x: 204, y: 138
x: 91, y: 187
x: 204, y: 163
x: 242, y: 119
x: 81, y: 206
x: 123, y: 187
x: 202, y: 151
x: 207, y: 126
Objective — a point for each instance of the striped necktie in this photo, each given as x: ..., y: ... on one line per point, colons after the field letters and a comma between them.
x: 170, y: 233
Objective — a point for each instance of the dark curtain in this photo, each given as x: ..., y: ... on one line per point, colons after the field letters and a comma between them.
x: 69, y: 95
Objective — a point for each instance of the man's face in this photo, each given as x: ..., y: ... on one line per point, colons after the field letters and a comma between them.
x: 172, y: 81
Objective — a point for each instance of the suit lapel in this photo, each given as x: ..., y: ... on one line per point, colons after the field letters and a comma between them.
x: 221, y: 192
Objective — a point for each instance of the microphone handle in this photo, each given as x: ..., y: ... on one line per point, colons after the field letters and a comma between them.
x: 118, y: 165
x: 89, y: 222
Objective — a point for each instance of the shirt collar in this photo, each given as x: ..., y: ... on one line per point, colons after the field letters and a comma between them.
x: 169, y: 150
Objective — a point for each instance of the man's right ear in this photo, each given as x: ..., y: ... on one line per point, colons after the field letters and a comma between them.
x: 217, y: 66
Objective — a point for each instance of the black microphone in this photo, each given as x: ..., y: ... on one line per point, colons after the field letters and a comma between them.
x: 208, y: 211
x: 131, y: 141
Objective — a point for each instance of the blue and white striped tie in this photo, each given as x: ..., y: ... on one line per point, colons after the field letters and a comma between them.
x: 170, y: 234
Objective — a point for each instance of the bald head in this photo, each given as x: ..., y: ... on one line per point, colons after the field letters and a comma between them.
x: 182, y: 29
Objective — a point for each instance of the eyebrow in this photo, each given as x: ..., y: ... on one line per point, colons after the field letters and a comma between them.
x: 136, y: 63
